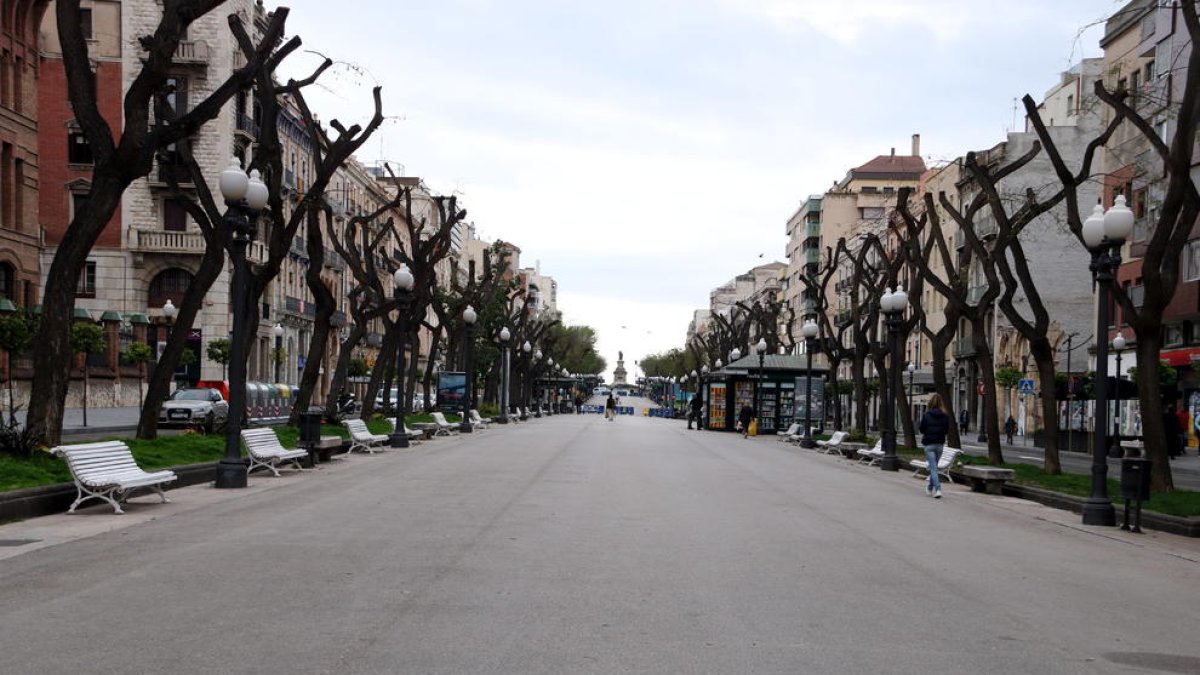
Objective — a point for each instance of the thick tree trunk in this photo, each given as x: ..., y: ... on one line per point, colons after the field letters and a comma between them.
x: 988, y: 421
x: 1043, y: 358
x: 319, y: 341
x: 48, y: 391
x: 338, y: 383
x: 190, y: 306
x: 1154, y: 433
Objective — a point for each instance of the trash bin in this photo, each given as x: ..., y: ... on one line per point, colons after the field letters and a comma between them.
x: 1135, y: 479
x: 310, y: 427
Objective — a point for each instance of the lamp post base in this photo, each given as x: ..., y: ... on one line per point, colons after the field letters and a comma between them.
x: 465, y: 427
x: 398, y: 439
x: 231, y: 473
x: 503, y: 419
x: 1099, y: 511
x: 808, y: 443
x: 890, y: 463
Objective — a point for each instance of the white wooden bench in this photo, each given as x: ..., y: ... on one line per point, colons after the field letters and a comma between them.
x: 362, y: 438
x: 108, y: 471
x: 830, y: 446
x: 444, y: 427
x: 264, y: 449
x: 413, y: 435
x: 949, y: 455
x: 479, y: 422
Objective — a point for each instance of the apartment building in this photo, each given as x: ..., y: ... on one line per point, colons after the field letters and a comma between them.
x: 20, y: 85
x: 1146, y: 50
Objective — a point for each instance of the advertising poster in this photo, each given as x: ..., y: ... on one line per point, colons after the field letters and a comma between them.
x: 818, y: 401
x: 451, y: 390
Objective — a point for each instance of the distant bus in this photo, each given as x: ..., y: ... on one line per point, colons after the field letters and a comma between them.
x: 601, y: 391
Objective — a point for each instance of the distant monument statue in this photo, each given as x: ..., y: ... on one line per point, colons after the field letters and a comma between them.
x: 619, y: 371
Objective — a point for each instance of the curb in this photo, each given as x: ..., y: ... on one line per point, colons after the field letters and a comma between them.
x: 1185, y: 527
x: 47, y: 500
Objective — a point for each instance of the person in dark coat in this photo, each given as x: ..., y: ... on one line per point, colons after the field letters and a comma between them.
x: 964, y: 418
x: 610, y: 408
x: 696, y: 413
x: 934, y: 425
x: 1010, y: 428
x: 745, y: 416
x: 578, y: 405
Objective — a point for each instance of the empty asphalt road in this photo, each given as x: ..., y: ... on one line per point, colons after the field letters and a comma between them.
x: 574, y: 545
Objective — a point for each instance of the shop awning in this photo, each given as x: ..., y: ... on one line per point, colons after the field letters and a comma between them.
x: 1180, y: 357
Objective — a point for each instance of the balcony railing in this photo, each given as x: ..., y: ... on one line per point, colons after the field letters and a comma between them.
x: 338, y: 319
x: 812, y: 230
x: 812, y: 256
x: 170, y: 241
x: 247, y: 124
x: 299, y: 307
x: 174, y: 173
x: 191, y: 51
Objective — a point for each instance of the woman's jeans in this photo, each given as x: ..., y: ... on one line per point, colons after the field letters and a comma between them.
x: 933, y: 455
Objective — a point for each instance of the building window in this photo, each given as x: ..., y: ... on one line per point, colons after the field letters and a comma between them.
x: 1173, y: 335
x: 79, y: 151
x: 1070, y: 104
x: 79, y: 202
x: 870, y: 212
x: 8, y: 284
x: 87, y: 281
x: 1191, y: 261
x: 177, y: 96
x: 174, y: 215
x: 168, y: 284
x: 85, y: 23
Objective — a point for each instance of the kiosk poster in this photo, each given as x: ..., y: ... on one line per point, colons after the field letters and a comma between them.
x: 818, y: 401
x: 451, y: 390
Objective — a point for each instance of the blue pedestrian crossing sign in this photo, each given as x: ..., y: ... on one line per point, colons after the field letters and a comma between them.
x: 1025, y: 386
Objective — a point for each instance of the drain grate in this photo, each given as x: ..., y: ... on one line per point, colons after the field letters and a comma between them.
x: 18, y: 542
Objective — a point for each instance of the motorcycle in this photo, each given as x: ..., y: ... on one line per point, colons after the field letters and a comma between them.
x: 345, y: 406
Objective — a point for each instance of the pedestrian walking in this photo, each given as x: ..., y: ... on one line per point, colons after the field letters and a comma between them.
x: 1010, y: 428
x: 964, y: 419
x: 610, y: 408
x: 745, y: 416
x: 696, y: 413
x: 578, y: 405
x: 933, y: 427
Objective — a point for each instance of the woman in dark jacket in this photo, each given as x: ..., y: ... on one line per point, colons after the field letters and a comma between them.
x: 934, y: 425
x: 745, y: 415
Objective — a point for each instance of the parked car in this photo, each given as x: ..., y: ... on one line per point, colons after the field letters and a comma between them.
x: 199, y: 408
x: 418, y: 399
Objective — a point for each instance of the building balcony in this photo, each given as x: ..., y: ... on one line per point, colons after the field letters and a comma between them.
x: 964, y: 348
x: 334, y: 261
x: 812, y: 230
x: 169, y: 174
x: 298, y: 307
x: 338, y: 319
x: 184, y: 243
x: 812, y: 256
x: 247, y: 125
x: 192, y: 51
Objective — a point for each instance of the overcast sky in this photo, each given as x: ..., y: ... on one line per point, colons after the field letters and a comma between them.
x: 646, y: 152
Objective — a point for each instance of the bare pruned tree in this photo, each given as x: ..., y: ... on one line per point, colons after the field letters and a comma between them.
x: 120, y: 157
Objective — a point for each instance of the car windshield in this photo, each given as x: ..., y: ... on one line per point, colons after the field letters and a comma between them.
x: 190, y: 395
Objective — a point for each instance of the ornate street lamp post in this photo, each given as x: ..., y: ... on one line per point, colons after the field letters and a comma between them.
x: 469, y: 317
x: 245, y: 196
x: 525, y: 349
x: 809, y: 331
x: 1118, y: 344
x: 404, y: 284
x: 703, y: 394
x: 169, y: 311
x: 537, y: 402
x: 912, y: 371
x: 1104, y: 234
x: 505, y: 335
x: 893, y: 306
